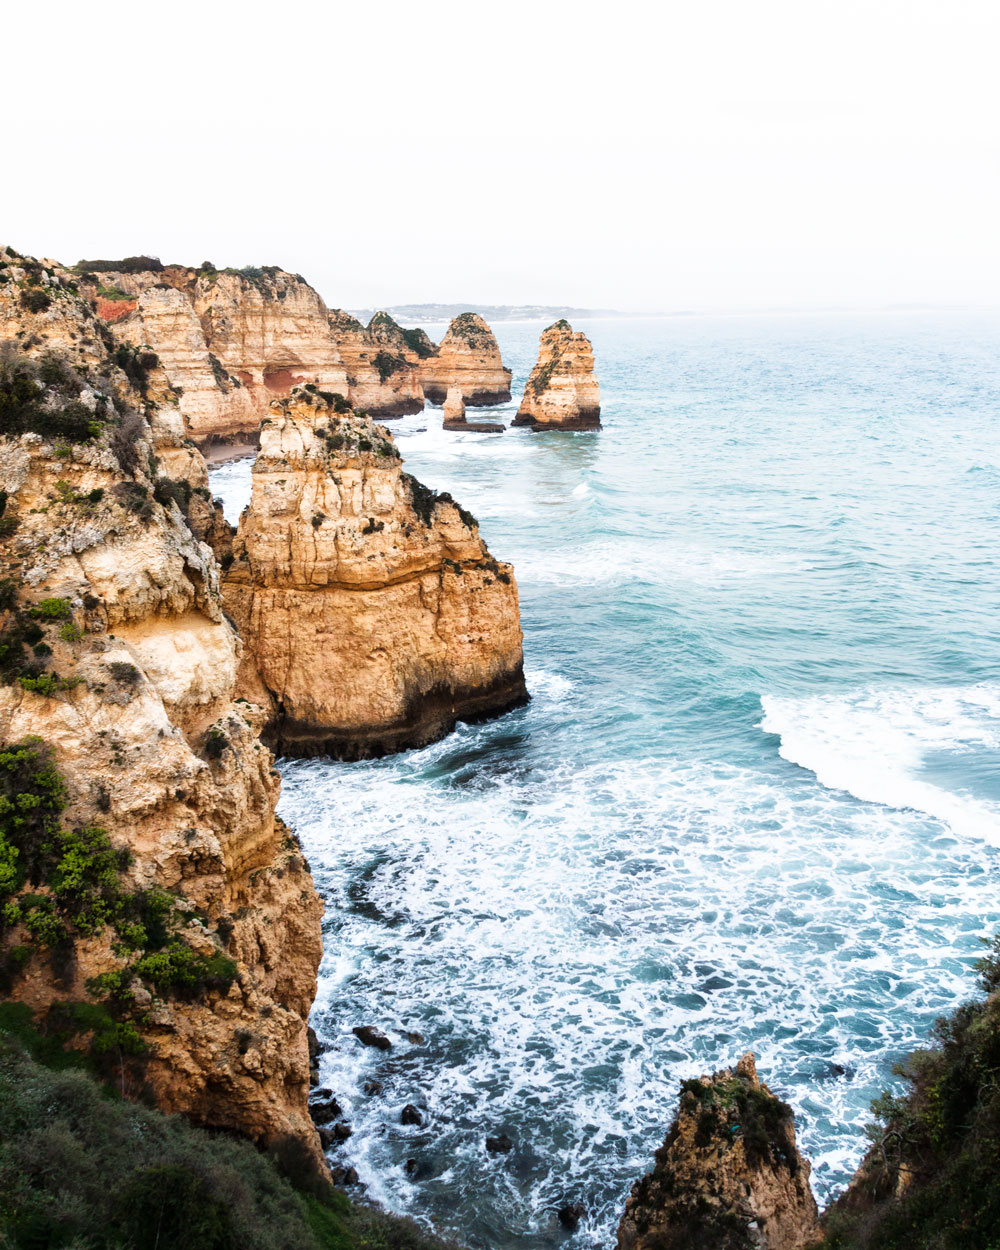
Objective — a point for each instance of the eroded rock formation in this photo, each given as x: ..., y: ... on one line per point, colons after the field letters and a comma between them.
x: 729, y: 1175
x: 562, y: 391
x: 454, y: 409
x: 382, y: 373
x: 180, y: 938
x: 374, y: 616
x: 469, y: 358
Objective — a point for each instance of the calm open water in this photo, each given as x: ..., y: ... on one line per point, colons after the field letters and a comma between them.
x: 754, y: 803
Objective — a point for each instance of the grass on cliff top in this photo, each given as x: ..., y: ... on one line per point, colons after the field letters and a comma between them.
x: 82, y: 1170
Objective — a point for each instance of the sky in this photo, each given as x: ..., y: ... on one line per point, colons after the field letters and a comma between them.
x: 704, y: 155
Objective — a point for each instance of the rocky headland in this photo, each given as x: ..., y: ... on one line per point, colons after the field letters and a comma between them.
x: 374, y: 616
x: 156, y: 915
x: 468, y: 357
x: 562, y: 392
x: 382, y: 365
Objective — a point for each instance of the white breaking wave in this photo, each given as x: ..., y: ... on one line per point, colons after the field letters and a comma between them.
x: 873, y: 745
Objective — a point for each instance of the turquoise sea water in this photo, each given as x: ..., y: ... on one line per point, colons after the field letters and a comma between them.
x: 755, y: 800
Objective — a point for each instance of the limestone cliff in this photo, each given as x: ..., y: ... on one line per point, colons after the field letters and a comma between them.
x: 373, y: 613
x: 469, y: 358
x: 153, y: 908
x: 729, y: 1175
x: 382, y: 374
x: 562, y: 391
x: 214, y: 404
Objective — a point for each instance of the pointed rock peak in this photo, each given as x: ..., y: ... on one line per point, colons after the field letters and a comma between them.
x: 728, y: 1175
x: 562, y: 391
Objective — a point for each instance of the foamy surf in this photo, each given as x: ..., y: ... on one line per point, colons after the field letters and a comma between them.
x: 873, y: 744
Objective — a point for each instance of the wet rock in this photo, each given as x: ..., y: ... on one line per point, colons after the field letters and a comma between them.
x: 369, y: 1036
x: 410, y: 1115
x: 345, y: 1176
x: 571, y: 1214
x: 316, y: 1047
x: 326, y: 1138
x: 499, y: 1145
x: 341, y: 1132
x: 416, y: 1038
x: 412, y: 1167
x: 324, y: 1112
x: 372, y: 1088
x: 321, y: 1095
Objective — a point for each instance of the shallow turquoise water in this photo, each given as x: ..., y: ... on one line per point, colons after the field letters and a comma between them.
x: 754, y: 802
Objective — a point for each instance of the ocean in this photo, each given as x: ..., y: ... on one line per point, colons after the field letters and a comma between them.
x: 754, y: 802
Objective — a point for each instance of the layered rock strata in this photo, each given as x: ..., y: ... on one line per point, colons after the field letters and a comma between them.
x: 469, y: 358
x: 373, y: 615
x: 168, y: 920
x: 562, y: 392
x: 729, y: 1175
x: 382, y: 368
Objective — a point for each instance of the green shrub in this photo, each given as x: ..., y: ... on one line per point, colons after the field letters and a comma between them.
x: 167, y: 490
x: 52, y: 610
x: 417, y: 341
x: 35, y: 300
x: 129, y: 264
x: 134, y: 497
x: 386, y: 364
x: 124, y: 673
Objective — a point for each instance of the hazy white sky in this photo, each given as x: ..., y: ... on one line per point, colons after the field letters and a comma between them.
x: 659, y: 156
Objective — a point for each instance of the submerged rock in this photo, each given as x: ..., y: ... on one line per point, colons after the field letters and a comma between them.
x: 410, y: 1115
x: 562, y: 392
x: 571, y: 1214
x: 499, y: 1145
x: 369, y: 1036
x: 729, y: 1175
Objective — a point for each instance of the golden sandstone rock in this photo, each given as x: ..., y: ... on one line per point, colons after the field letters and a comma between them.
x: 728, y: 1175
x: 373, y: 615
x: 382, y: 372
x: 133, y: 694
x: 468, y: 358
x: 562, y: 391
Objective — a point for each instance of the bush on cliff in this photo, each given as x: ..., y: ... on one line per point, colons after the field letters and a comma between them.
x: 929, y: 1181
x: 79, y: 1169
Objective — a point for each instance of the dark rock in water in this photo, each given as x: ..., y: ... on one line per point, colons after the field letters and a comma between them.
x: 342, y: 1131
x: 416, y: 1038
x: 372, y: 1037
x: 571, y: 1214
x: 345, y: 1176
x: 410, y: 1115
x: 315, y: 1047
x: 321, y: 1095
x: 499, y: 1145
x: 326, y: 1138
x: 324, y: 1112
x: 373, y: 1087
x: 412, y: 1167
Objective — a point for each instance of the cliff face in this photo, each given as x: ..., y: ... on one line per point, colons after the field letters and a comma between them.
x: 382, y: 374
x: 373, y: 613
x: 468, y: 358
x: 729, y: 1175
x: 213, y: 403
x: 152, y: 904
x: 562, y: 391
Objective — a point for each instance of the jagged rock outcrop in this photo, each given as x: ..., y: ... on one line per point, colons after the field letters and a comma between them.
x: 562, y: 392
x: 382, y: 374
x: 729, y: 1175
x: 469, y: 358
x: 179, y: 934
x: 373, y: 615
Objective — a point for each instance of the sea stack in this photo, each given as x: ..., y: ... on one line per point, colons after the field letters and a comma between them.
x: 454, y: 409
x: 468, y: 358
x: 729, y: 1173
x: 382, y: 365
x: 562, y: 392
x: 374, y: 617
